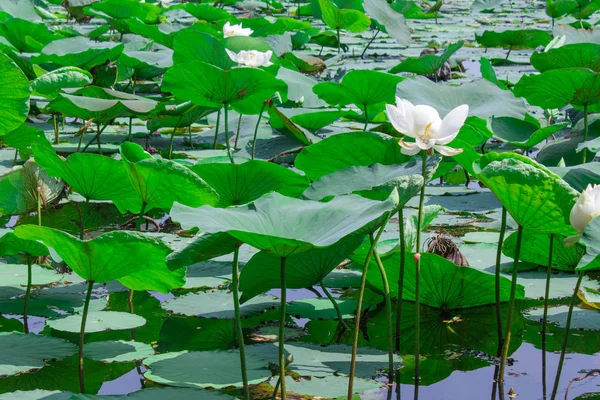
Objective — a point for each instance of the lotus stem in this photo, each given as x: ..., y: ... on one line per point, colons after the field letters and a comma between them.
x: 361, y: 294
x: 366, y: 119
x: 335, y: 305
x: 400, y: 279
x: 129, y: 133
x: 388, y: 310
x: 418, y: 277
x: 39, y: 206
x: 511, y: 311
x: 82, y: 217
x: 508, y: 54
x: 370, y: 41
x: 563, y: 350
x: 544, y: 320
x: 55, y: 124
x: 229, y: 152
x: 238, y: 320
x: 216, y: 140
x: 338, y: 40
x: 86, y: 307
x: 237, y: 134
x: 498, y: 310
x: 190, y: 136
x: 282, y: 330
x: 95, y: 138
x: 585, y: 131
x: 27, y: 293
x: 140, y: 219
x: 256, y: 129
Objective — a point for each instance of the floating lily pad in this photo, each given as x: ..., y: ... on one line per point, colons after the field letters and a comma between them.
x: 117, y: 351
x: 321, y: 308
x: 16, y: 275
x: 583, y: 318
x: 217, y: 304
x: 330, y: 386
x: 98, y: 321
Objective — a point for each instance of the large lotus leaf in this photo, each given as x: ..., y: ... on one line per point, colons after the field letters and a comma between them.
x: 147, y: 64
x: 156, y: 277
x: 21, y: 187
x: 16, y: 275
x: 481, y: 5
x: 204, y: 12
x: 537, y: 247
x: 363, y: 88
x: 11, y: 244
x: 535, y: 198
x: 163, y: 33
x: 37, y: 394
x: 22, y: 352
x: 203, y: 247
x: 51, y: 83
x: 284, y: 225
x: 177, y: 114
x: 321, y: 308
x: 98, y: 321
x: 245, y: 89
x: 580, y: 55
x: 429, y: 63
x: 444, y: 285
x: 284, y: 125
x: 262, y: 272
x: 217, y: 304
x: 91, y: 175
x: 558, y: 87
x: 375, y: 181
x: 330, y: 386
x: 579, y: 176
x: 125, y: 9
x: 24, y: 138
x: 204, y: 369
x: 514, y: 39
x: 315, y: 120
x: 559, y: 8
x: 591, y: 239
x: 160, y: 393
x: 208, y: 275
x: 117, y: 351
x: 389, y: 20
x: 238, y: 184
x: 27, y: 36
x: 110, y: 256
x: 347, y: 19
x: 78, y: 52
x: 19, y: 9
x: 521, y: 133
x: 158, y: 183
x: 14, y: 95
x: 300, y: 87
x: 582, y: 318
x: 484, y: 99
x: 347, y: 150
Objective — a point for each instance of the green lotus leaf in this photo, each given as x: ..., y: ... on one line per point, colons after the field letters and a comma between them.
x: 51, y: 83
x: 537, y: 199
x: 147, y: 64
x: 514, y: 39
x: 238, y: 184
x: 204, y: 12
x: 321, y: 308
x: 159, y: 393
x: 21, y: 188
x: 537, y: 249
x: 330, y: 386
x: 200, y: 46
x: 37, y: 394
x: 521, y: 133
x: 583, y: 318
x: 579, y: 55
x: 177, y: 114
x: 14, y: 97
x: 125, y: 9
x: 23, y: 352
x: 363, y: 88
x: 590, y: 237
x: 284, y: 125
x: 27, y: 36
x: 558, y: 8
x: 245, y: 89
x: 485, y: 100
x: 203, y: 247
x: 559, y: 87
x: 24, y: 138
x: 388, y: 20
x: 198, y: 334
x: 482, y: 5
x: 347, y: 19
x: 347, y: 150
x: 163, y: 34
x: 93, y: 176
x: 11, y: 245
x: 567, y: 151
x: 19, y: 9
x: 271, y: 222
x: 78, y: 52
x: 16, y: 276
x: 108, y: 257
x: 98, y: 321
x: 204, y: 369
x: 303, y: 270
x: 313, y: 121
x: 429, y: 63
x: 579, y: 176
x: 117, y: 351
x: 445, y: 285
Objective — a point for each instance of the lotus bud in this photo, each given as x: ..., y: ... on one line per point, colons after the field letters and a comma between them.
x: 417, y: 257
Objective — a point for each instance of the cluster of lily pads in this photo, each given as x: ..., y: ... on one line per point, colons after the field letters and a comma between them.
x: 172, y: 172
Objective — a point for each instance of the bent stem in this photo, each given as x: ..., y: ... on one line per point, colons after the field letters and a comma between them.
x: 370, y: 41
x: 216, y: 140
x: 400, y: 279
x: 56, y: 133
x: 335, y: 305
x: 563, y: 350
x: 361, y: 294
x: 256, y: 129
x: 585, y: 131
x: 282, y: 330
x: 388, y: 312
x: 237, y: 134
x: 544, y: 320
x: 86, y: 307
x: 229, y: 152
x: 27, y: 293
x: 498, y: 311
x: 511, y: 309
x: 238, y: 320
x: 418, y: 278
x: 338, y: 38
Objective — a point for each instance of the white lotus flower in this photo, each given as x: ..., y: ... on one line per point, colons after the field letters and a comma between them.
x: 251, y: 58
x: 423, y: 123
x: 586, y: 208
x: 235, y: 30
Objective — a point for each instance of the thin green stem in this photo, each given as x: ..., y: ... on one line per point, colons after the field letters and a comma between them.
x: 335, y: 305
x: 507, y: 54
x: 95, y: 138
x: 130, y: 133
x: 544, y: 320
x: 498, y: 310
x: 361, y: 294
x: 27, y: 293
x: 418, y: 278
x: 216, y: 140
x: 256, y: 129
x: 563, y: 350
x: 366, y: 118
x: 388, y: 314
x: 338, y: 38
x: 56, y: 132
x: 86, y: 307
x: 229, y: 152
x: 370, y: 41
x: 238, y: 321
x: 400, y: 278
x: 82, y: 218
x: 585, y: 131
x: 39, y: 207
x: 282, y: 330
x: 237, y: 134
x: 511, y: 311
x: 140, y: 219
x: 190, y: 136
